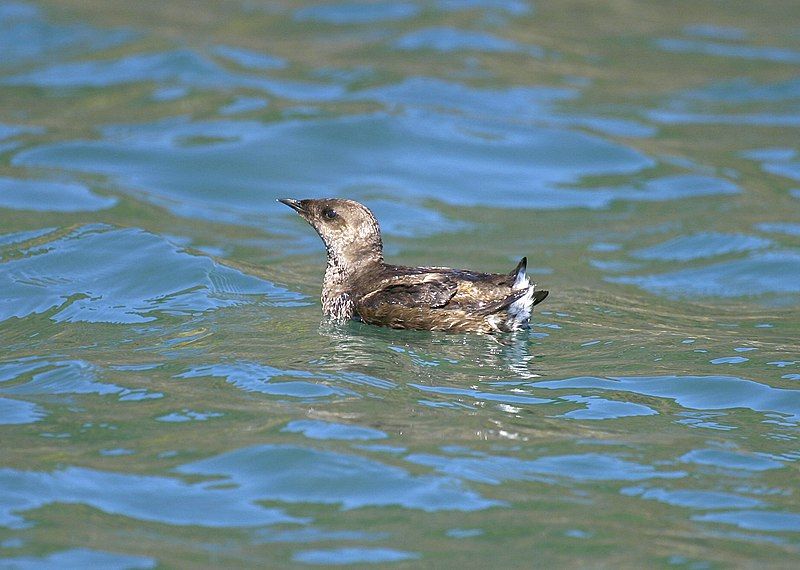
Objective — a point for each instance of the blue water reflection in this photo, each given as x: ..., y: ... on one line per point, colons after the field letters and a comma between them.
x: 79, y: 558
x: 693, y: 499
x: 317, y: 429
x: 445, y: 39
x: 357, y: 12
x: 27, y: 35
x: 698, y: 246
x: 42, y: 378
x: 183, y: 67
x: 696, y: 392
x: 511, y: 7
x: 82, y: 275
x: 41, y: 195
x: 249, y: 59
x: 19, y: 412
x: 252, y: 377
x: 756, y: 520
x: 150, y: 498
x: 343, y: 556
x: 265, y: 379
x: 775, y: 54
x: 301, y: 475
x: 730, y: 460
x: 759, y: 274
x: 494, y: 469
x: 601, y: 409
x: 420, y: 154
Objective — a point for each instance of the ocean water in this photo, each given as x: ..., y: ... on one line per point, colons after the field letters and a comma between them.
x: 170, y: 395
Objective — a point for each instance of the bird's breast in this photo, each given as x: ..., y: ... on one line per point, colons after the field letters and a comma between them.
x: 338, y: 306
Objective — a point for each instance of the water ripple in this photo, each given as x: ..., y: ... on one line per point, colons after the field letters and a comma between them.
x: 528, y: 102
x: 444, y: 39
x: 78, y: 558
x: 25, y: 35
x: 694, y: 499
x: 496, y: 123
x: 766, y: 53
x: 248, y: 58
x: 730, y: 460
x: 716, y: 32
x: 787, y: 228
x: 101, y: 274
x: 253, y: 377
x: 243, y: 105
x: 494, y: 469
x: 45, y: 196
x: 512, y: 7
x: 602, y: 409
x: 756, y: 520
x: 422, y: 154
x: 479, y: 395
x: 181, y: 66
x: 342, y: 556
x: 31, y: 377
x: 695, y: 392
x: 698, y: 246
x: 304, y: 475
x: 357, y: 12
x: 769, y: 272
x: 317, y: 429
x: 150, y: 498
x: 15, y: 412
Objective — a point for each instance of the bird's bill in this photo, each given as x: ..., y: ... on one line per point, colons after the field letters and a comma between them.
x: 295, y: 205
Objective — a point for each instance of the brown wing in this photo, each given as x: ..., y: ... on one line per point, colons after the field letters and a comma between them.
x: 439, y: 301
x: 432, y: 290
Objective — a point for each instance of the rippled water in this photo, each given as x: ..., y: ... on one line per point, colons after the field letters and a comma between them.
x: 170, y: 396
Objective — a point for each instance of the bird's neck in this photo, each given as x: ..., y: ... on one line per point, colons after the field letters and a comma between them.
x: 342, y: 272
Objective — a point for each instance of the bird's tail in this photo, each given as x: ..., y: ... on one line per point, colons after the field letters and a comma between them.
x: 520, y: 277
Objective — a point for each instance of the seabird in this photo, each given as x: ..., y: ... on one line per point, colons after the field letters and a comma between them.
x: 359, y: 285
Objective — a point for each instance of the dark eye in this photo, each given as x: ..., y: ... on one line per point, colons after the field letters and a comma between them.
x: 329, y: 213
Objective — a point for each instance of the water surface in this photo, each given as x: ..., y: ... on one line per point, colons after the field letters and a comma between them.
x: 170, y: 395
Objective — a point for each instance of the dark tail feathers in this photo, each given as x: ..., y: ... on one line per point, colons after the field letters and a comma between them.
x: 520, y: 268
x: 502, y: 304
x: 539, y: 296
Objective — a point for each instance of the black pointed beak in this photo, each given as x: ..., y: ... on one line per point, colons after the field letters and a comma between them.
x: 295, y: 205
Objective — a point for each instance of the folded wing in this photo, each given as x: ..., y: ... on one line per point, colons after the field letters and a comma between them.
x: 432, y: 290
x: 439, y: 300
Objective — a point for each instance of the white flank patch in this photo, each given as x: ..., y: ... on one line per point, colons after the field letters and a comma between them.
x: 520, y: 310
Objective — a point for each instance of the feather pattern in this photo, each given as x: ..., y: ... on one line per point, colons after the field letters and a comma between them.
x: 446, y: 299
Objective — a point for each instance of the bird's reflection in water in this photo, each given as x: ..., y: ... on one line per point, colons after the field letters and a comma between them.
x: 408, y: 355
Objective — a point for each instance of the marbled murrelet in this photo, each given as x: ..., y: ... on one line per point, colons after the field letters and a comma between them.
x: 359, y: 285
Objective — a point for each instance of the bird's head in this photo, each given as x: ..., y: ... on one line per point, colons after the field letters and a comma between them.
x: 349, y: 229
